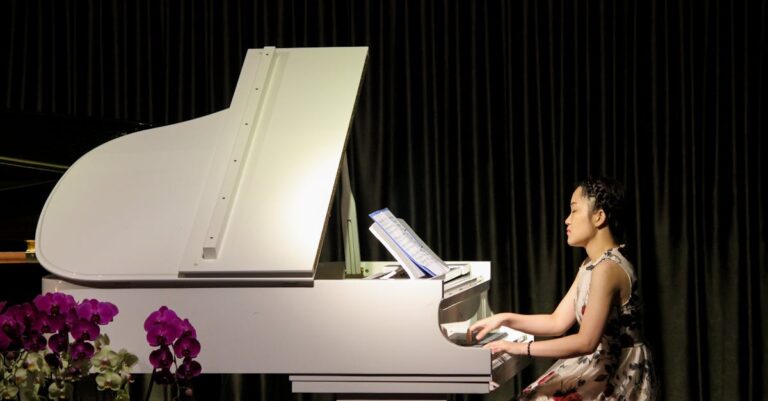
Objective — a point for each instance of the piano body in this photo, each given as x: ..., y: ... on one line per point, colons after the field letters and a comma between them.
x: 221, y: 218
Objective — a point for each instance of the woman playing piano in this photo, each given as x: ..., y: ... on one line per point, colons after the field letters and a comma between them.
x: 606, y: 359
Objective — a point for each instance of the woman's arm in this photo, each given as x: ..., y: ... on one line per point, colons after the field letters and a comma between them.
x: 554, y: 324
x: 603, y: 291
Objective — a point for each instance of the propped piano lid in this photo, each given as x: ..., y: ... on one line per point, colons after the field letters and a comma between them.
x: 242, y: 194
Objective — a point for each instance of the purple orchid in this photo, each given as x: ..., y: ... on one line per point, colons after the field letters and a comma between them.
x: 10, y: 330
x: 53, y: 360
x: 188, y: 369
x: 98, y: 312
x: 160, y: 316
x: 40, y: 330
x: 186, y: 347
x: 164, y: 334
x: 164, y: 328
x: 54, y: 304
x: 71, y: 318
x: 47, y: 324
x: 34, y: 342
x: 58, y: 342
x: 161, y: 358
x: 187, y: 330
x: 26, y: 313
x: 85, y: 330
x: 81, y: 350
x: 9, y: 325
x: 5, y: 341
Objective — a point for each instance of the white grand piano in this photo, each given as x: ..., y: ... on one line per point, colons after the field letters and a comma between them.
x: 222, y: 218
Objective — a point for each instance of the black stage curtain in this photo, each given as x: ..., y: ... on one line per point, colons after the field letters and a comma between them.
x: 475, y: 120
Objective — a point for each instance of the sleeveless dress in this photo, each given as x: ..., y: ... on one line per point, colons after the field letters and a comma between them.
x: 619, y: 369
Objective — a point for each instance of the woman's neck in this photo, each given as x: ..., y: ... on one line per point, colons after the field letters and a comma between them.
x: 599, y: 245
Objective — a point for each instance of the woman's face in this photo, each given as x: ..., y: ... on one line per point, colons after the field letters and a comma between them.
x: 579, y: 225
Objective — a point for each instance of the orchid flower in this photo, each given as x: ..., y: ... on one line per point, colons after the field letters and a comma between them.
x: 165, y: 329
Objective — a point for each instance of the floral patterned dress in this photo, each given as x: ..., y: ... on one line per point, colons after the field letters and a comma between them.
x: 621, y: 367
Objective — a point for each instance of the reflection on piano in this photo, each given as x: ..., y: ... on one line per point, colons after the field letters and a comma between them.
x: 222, y: 218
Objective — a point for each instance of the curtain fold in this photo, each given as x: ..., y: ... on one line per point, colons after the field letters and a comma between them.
x: 474, y: 122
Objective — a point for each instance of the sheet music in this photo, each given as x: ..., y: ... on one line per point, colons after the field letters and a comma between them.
x: 409, y: 242
x: 408, y: 265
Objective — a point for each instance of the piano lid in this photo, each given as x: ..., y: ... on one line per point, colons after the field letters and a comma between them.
x: 241, y: 194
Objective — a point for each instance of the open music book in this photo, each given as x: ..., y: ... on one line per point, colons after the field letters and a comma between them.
x: 416, y: 258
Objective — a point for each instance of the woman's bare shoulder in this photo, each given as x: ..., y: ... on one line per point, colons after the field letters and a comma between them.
x: 608, y: 272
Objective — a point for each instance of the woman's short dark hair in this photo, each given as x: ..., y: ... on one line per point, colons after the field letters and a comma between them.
x: 608, y: 194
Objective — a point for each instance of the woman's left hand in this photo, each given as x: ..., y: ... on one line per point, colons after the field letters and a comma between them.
x: 507, y: 346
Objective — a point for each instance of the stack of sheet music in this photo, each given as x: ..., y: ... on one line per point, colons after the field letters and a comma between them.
x: 415, y: 257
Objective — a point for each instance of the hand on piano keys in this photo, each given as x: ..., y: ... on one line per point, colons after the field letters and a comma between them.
x: 481, y: 328
x: 516, y: 347
x: 489, y: 332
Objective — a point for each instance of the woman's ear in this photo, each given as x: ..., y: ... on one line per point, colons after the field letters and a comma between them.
x: 599, y: 218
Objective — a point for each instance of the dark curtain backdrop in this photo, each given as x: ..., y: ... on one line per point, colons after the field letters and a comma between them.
x: 475, y: 120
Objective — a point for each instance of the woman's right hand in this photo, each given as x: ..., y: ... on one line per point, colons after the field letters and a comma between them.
x: 482, y: 327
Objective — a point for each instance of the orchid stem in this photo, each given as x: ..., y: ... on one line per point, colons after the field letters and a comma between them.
x: 151, y: 382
